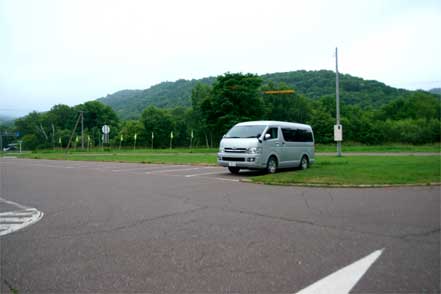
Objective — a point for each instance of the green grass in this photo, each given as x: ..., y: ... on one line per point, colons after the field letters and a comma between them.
x: 356, y: 147
x: 130, y: 151
x: 362, y: 170
x: 328, y: 170
x: 171, y: 158
x: 346, y: 147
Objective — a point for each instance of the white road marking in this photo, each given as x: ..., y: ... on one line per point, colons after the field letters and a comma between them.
x: 230, y: 180
x: 15, y: 204
x: 5, y: 219
x: 343, y: 280
x: 11, y: 221
x: 139, y: 168
x: 17, y: 213
x: 204, y: 174
x: 171, y: 170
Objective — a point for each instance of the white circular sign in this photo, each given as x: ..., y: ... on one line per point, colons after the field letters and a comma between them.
x: 106, y: 129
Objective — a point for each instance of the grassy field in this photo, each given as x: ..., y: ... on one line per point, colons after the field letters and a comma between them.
x: 328, y: 170
x: 346, y: 147
x: 359, y: 170
x: 352, y: 147
x: 147, y: 157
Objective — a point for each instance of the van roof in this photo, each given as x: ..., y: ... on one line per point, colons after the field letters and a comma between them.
x: 273, y: 122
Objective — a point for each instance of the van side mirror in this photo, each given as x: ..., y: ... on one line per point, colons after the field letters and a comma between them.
x: 267, y: 136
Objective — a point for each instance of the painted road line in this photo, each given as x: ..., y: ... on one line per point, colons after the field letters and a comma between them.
x: 11, y: 221
x: 50, y: 165
x: 15, y: 204
x: 343, y: 280
x: 224, y: 179
x: 8, y: 227
x: 203, y: 174
x: 171, y: 170
x: 139, y: 168
x: 17, y: 213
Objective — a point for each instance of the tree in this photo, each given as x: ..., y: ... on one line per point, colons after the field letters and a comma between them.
x: 180, y: 117
x: 128, y: 130
x: 322, y: 123
x: 417, y: 105
x: 286, y: 107
x: 236, y: 98
x: 36, y: 126
x: 62, y: 116
x: 201, y: 119
x: 159, y: 122
x: 97, y: 114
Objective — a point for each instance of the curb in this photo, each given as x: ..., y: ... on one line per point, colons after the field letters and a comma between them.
x: 343, y: 185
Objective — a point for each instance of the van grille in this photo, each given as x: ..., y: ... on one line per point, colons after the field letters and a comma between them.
x: 235, y: 150
x: 233, y: 158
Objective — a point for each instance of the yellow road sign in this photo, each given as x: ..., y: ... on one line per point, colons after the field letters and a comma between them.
x: 290, y: 91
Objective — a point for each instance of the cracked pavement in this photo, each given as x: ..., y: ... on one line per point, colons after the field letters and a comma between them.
x: 107, y: 231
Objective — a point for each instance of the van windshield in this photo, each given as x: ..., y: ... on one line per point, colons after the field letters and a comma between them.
x: 245, y: 132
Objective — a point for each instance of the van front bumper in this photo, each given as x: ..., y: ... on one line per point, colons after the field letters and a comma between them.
x: 242, y: 160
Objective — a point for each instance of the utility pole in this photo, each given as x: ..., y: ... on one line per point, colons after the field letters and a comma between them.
x: 53, y: 136
x: 82, y: 129
x: 338, y: 128
x: 73, y: 132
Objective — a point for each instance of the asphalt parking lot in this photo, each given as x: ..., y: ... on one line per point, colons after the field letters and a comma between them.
x: 120, y: 227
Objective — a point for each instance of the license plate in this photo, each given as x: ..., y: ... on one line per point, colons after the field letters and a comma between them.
x: 231, y: 164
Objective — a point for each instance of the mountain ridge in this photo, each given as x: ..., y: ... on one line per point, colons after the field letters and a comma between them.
x: 129, y: 104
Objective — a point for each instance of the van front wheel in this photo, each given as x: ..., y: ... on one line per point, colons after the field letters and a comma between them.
x: 234, y: 170
x: 271, y: 166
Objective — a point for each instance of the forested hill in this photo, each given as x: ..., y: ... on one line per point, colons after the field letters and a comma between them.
x: 436, y: 91
x: 353, y: 90
x: 131, y: 103
x: 6, y: 120
x: 312, y: 84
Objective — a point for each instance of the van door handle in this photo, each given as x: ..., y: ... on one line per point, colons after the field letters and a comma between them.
x: 277, y: 144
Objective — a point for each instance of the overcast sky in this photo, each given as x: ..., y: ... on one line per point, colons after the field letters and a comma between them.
x: 70, y: 52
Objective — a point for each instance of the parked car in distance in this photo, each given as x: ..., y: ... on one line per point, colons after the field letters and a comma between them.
x: 10, y: 147
x: 267, y: 145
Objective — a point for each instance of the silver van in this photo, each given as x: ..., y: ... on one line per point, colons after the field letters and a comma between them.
x: 266, y: 145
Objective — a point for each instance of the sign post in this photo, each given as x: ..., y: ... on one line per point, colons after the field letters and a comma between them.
x: 171, y: 139
x: 134, y: 141
x: 153, y: 136
x: 106, y: 131
x: 338, y: 133
x: 338, y: 126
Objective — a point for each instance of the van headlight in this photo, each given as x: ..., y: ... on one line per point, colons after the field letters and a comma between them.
x: 221, y: 149
x: 254, y: 150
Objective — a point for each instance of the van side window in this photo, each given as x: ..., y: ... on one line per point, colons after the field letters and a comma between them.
x: 273, y: 133
x: 307, y: 136
x: 297, y: 135
x: 304, y: 136
x: 289, y: 134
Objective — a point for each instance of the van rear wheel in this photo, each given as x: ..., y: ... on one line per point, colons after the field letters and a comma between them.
x: 234, y: 170
x: 271, y: 166
x: 304, y: 163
